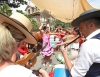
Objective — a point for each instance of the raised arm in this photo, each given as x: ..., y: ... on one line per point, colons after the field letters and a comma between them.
x: 67, y: 61
x: 68, y: 41
x: 40, y: 29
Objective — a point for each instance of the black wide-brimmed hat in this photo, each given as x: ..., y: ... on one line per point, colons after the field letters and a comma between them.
x: 86, y: 15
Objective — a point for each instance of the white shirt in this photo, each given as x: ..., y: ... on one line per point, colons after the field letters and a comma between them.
x: 51, y: 38
x: 89, y: 53
x: 74, y: 45
x: 48, y: 26
x: 16, y: 71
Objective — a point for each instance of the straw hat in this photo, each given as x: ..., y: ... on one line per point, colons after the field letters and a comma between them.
x: 86, y: 15
x: 22, y: 23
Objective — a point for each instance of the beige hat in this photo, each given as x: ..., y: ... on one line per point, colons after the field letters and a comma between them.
x: 22, y: 23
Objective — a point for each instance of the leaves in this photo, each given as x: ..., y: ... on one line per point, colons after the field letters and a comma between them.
x: 60, y: 23
x: 5, y: 9
x: 14, y: 3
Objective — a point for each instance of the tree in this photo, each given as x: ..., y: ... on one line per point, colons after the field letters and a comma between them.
x: 5, y: 9
x: 60, y: 23
x: 13, y: 3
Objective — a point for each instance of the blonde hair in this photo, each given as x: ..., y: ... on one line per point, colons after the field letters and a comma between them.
x: 8, y: 34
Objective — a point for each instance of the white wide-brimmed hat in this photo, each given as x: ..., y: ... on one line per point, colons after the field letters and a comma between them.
x: 22, y: 23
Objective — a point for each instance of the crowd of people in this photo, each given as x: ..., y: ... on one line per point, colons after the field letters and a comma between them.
x: 80, y: 46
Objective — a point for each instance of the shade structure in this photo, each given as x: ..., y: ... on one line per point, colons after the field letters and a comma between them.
x: 64, y: 10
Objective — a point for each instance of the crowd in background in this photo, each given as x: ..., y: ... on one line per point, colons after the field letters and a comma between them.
x: 79, y: 46
x: 53, y: 40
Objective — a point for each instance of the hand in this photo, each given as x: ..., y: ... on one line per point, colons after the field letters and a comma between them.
x: 63, y: 49
x: 43, y: 73
x: 42, y: 70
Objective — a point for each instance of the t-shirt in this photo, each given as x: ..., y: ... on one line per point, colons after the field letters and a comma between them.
x: 16, y: 71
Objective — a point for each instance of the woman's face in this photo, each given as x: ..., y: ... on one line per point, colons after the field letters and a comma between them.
x: 58, y: 30
x: 47, y: 30
x: 74, y: 32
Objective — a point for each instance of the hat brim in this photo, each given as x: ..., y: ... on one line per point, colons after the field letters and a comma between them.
x: 78, y: 20
x: 29, y: 37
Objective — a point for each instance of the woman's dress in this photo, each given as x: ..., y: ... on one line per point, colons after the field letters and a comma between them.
x: 48, y: 50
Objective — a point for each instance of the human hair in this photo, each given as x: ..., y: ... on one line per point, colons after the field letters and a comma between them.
x: 8, y: 37
x: 95, y: 20
x: 58, y: 29
x: 45, y: 27
x: 77, y: 31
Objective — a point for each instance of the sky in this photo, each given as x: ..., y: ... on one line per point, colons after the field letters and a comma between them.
x: 23, y: 7
x: 94, y: 3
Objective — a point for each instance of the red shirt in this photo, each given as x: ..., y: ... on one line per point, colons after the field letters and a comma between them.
x: 23, y: 50
x: 60, y: 35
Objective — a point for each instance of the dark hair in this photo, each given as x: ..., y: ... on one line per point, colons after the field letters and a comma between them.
x: 95, y: 20
x: 77, y: 30
x: 58, y: 29
x: 44, y: 27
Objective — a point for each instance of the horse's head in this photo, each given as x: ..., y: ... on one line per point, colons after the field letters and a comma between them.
x: 38, y: 36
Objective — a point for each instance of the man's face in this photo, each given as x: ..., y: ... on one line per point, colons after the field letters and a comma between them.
x: 84, y: 30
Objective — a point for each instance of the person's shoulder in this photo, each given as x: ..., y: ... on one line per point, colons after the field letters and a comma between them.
x: 16, y: 71
x: 90, y: 43
x: 19, y: 67
x: 25, y: 71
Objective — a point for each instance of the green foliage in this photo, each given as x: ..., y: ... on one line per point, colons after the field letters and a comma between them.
x: 5, y: 9
x: 60, y: 23
x: 35, y: 25
x: 36, y: 8
x: 14, y: 3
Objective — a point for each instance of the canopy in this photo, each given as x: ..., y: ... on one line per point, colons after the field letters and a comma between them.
x: 64, y: 10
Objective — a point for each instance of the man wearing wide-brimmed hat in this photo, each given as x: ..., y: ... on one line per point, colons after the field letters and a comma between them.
x: 88, y: 61
x: 13, y: 30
